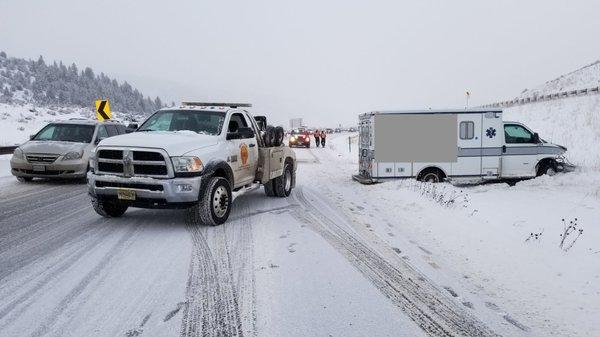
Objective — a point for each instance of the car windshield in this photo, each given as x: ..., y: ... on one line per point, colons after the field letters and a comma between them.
x: 204, y: 122
x: 66, y: 133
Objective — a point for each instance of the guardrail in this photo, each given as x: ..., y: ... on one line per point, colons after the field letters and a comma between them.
x: 7, y: 149
x: 543, y: 98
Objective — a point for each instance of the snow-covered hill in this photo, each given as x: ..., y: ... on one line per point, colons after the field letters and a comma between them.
x: 582, y: 78
x: 18, y: 121
x: 572, y: 121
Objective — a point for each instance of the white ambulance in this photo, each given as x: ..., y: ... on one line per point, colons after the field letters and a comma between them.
x: 468, y: 146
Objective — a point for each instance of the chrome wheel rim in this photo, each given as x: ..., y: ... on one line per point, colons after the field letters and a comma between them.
x: 220, y: 201
x: 431, y: 178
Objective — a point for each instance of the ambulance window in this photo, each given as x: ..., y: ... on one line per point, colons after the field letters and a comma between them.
x: 516, y: 134
x: 467, y: 130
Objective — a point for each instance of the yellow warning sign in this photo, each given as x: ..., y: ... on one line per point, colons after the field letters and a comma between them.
x: 103, y: 110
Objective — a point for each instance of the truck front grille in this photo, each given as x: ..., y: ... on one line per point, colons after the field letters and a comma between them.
x: 42, y: 158
x: 129, y: 163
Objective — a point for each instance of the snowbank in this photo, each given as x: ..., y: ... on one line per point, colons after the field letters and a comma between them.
x: 18, y: 122
x: 573, y: 122
x: 493, y: 243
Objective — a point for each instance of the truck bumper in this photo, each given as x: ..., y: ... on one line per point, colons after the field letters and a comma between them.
x: 149, y: 192
x: 68, y: 169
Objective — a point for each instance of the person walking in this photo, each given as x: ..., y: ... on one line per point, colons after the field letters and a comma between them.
x: 323, y: 136
x: 317, y: 137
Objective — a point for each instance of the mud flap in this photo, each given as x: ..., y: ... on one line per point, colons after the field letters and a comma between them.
x: 364, y: 180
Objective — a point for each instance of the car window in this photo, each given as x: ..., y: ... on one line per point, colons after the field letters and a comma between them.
x: 112, y: 130
x: 102, y: 132
x: 237, y: 121
x: 517, y: 134
x: 66, y: 133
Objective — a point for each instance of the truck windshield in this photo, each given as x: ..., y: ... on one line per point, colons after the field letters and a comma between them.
x: 204, y: 122
x: 66, y: 133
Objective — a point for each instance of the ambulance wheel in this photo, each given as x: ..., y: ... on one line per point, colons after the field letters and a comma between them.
x: 283, y: 184
x: 108, y: 209
x: 214, y: 203
x: 547, y: 167
x: 431, y: 175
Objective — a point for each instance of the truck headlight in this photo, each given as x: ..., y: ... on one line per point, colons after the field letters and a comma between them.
x: 293, y: 138
x: 187, y: 164
x: 18, y: 153
x: 72, y: 155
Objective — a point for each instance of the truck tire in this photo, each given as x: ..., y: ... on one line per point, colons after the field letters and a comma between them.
x: 108, y: 209
x: 214, y: 203
x: 282, y: 185
x: 269, y: 191
x: 547, y: 167
x: 279, y: 134
x: 431, y: 175
x: 269, y: 136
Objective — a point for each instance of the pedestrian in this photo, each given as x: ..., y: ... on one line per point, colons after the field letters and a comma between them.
x: 323, y: 136
x: 317, y: 137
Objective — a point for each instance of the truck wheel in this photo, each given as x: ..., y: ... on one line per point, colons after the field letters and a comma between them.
x: 108, y: 209
x: 214, y: 203
x: 24, y: 179
x: 547, y: 167
x: 431, y: 175
x: 279, y: 134
x: 283, y: 184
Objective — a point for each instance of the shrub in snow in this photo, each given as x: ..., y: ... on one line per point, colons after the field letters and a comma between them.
x: 20, y: 128
x: 534, y: 236
x: 570, y: 235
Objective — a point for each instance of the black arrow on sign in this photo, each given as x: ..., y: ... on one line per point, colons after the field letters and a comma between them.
x: 101, y: 110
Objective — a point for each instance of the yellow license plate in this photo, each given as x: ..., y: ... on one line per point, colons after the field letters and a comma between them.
x: 125, y: 194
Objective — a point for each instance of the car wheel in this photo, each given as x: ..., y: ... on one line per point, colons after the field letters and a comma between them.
x: 108, y: 209
x: 214, y: 203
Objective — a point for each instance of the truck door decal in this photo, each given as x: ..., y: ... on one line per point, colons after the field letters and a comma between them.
x: 244, y: 154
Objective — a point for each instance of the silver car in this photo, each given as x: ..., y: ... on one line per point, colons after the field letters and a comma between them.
x: 61, y: 149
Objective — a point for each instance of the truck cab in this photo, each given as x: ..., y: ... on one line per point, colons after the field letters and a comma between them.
x: 199, y: 156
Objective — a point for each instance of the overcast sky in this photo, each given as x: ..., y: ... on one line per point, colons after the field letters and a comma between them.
x: 326, y: 61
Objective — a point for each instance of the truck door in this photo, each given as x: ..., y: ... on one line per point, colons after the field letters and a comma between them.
x: 491, y: 143
x: 243, y: 153
x: 519, y: 153
x: 468, y: 162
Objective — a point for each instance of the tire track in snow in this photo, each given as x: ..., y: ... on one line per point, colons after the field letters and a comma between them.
x: 220, y: 287
x: 420, y: 300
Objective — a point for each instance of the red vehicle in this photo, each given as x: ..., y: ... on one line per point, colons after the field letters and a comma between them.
x: 299, y: 137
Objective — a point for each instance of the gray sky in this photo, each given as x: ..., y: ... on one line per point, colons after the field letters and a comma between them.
x: 326, y: 61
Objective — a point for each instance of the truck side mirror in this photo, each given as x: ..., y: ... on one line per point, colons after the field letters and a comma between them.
x: 99, y: 139
x: 131, y: 127
x: 536, y: 138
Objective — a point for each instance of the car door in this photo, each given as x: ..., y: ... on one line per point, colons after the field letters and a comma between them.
x: 519, y: 153
x: 239, y: 151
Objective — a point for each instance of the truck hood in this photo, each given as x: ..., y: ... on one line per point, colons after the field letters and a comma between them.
x: 52, y: 147
x: 176, y: 143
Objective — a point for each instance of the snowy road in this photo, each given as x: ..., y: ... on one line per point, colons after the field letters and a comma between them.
x: 279, y: 267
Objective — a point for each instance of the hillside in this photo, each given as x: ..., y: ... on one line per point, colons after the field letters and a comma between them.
x: 582, y: 78
x: 35, y: 82
x: 571, y: 121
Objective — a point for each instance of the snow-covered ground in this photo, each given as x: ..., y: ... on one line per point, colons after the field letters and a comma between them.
x: 19, y: 121
x: 485, y: 241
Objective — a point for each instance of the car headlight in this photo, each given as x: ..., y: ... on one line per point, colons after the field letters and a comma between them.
x: 187, y: 164
x: 293, y: 138
x: 72, y: 155
x: 18, y: 153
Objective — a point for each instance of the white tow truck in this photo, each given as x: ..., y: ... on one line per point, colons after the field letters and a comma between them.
x: 199, y: 156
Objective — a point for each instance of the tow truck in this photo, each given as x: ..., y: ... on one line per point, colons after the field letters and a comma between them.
x: 198, y: 157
